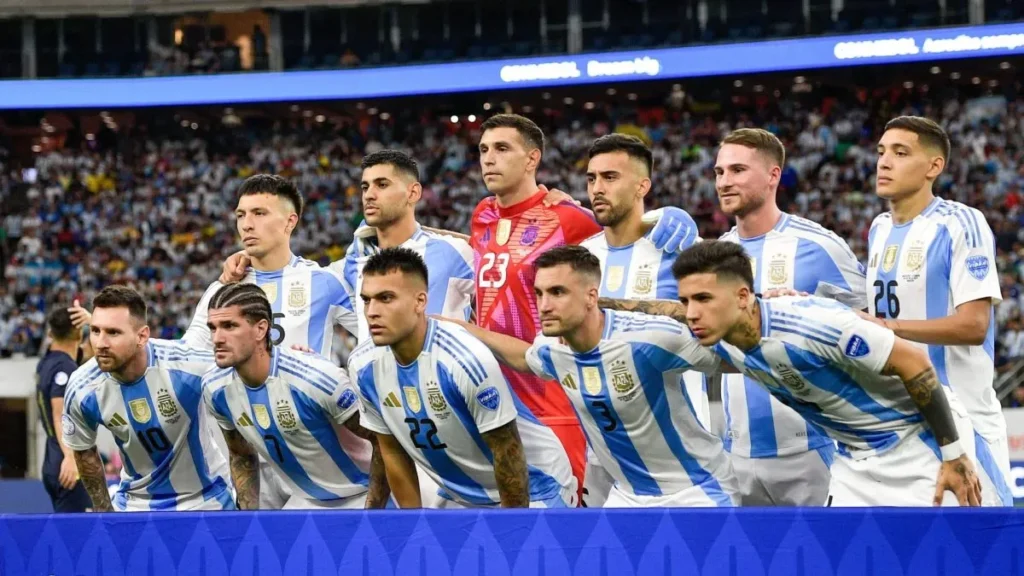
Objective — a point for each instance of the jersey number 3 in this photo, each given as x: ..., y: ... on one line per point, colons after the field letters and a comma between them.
x: 493, y: 270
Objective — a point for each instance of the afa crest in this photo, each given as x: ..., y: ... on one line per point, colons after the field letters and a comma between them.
x: 412, y: 398
x: 504, y: 231
x: 297, y: 297
x: 285, y: 417
x: 140, y: 410
x: 622, y: 379
x: 644, y: 281
x: 529, y: 235
x: 777, y: 271
x: 436, y: 401
x: 165, y: 404
x: 262, y: 415
x: 889, y: 258
x: 915, y: 258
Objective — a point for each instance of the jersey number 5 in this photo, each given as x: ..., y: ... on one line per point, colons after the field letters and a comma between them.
x: 496, y: 278
x: 280, y: 329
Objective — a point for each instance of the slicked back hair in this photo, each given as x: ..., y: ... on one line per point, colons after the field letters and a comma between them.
x: 118, y: 296
x: 761, y: 140
x: 274, y: 185
x: 578, y: 258
x: 251, y: 299
x: 929, y: 133
x: 715, y: 257
x: 528, y: 130
x: 397, y: 259
x: 400, y: 161
x: 631, y: 145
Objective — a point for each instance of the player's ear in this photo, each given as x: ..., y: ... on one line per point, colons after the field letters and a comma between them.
x: 415, y: 193
x: 533, y: 160
x: 293, y: 221
x: 262, y: 329
x: 421, y: 302
x: 643, y: 188
x: 938, y: 164
x: 143, y: 335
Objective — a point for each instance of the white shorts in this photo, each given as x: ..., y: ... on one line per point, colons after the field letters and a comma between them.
x: 800, y: 479
x: 567, y: 499
x: 905, y: 475
x: 692, y: 497
x: 999, y: 446
x: 430, y: 492
x: 223, y: 499
x: 274, y: 491
x: 597, y: 482
x: 296, y: 502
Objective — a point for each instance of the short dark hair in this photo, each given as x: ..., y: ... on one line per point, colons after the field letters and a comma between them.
x: 400, y: 161
x: 396, y: 259
x: 715, y: 257
x: 760, y: 140
x: 631, y: 145
x: 528, y: 130
x: 928, y: 132
x: 274, y: 185
x: 576, y: 257
x: 252, y: 300
x: 60, y: 325
x: 118, y: 296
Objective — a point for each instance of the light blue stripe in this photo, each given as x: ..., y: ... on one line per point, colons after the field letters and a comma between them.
x: 805, y: 327
x: 462, y: 353
x: 649, y: 365
x: 321, y: 427
x: 618, y: 441
x: 160, y: 488
x: 368, y: 388
x: 189, y: 391
x: 821, y: 232
x: 667, y: 288
x: 973, y: 218
x: 469, y: 373
x: 727, y: 433
x: 288, y: 462
x: 617, y: 258
x: 314, y: 382
x: 307, y: 364
x: 988, y: 463
x: 211, y: 378
x: 802, y: 321
x: 544, y: 353
x: 803, y: 334
x: 454, y: 479
x: 938, y: 260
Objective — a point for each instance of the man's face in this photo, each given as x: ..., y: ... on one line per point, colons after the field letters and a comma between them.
x: 393, y: 303
x: 505, y: 160
x: 115, y: 337
x: 265, y: 222
x: 712, y: 305
x: 388, y: 195
x: 563, y: 299
x: 235, y: 339
x: 744, y: 179
x: 616, y: 185
x: 904, y: 165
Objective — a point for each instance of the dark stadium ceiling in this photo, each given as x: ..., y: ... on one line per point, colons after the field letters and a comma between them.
x: 51, y: 8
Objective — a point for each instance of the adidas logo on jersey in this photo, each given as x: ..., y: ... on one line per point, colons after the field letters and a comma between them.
x: 118, y: 420
x: 391, y: 401
x: 244, y: 420
x: 569, y: 382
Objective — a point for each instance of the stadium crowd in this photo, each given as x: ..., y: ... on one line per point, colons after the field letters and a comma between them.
x: 155, y: 210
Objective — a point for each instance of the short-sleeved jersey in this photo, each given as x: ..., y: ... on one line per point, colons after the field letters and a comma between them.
x: 822, y: 360
x: 639, y: 420
x: 159, y: 424
x: 52, y: 376
x: 450, y: 284
x: 305, y: 298
x: 923, y: 270
x: 506, y: 241
x: 439, y: 407
x: 291, y: 421
x: 799, y: 254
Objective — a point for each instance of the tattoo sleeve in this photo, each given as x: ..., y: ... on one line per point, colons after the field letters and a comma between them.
x: 245, y: 471
x: 380, y: 490
x: 90, y: 469
x: 670, y: 308
x: 926, y: 391
x: 509, y: 465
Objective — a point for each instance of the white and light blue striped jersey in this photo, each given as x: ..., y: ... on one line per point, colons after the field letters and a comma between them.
x: 451, y: 283
x: 639, y: 420
x: 642, y: 272
x: 820, y: 358
x: 295, y: 421
x: 159, y: 424
x: 923, y: 270
x: 799, y: 254
x: 305, y: 299
x: 439, y: 407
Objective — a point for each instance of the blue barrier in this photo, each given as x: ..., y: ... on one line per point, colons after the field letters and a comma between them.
x: 748, y: 542
x: 898, y: 46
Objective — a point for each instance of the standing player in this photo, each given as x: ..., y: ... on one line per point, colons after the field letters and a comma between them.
x: 844, y: 373
x: 148, y: 393
x: 60, y: 475
x: 932, y: 275
x: 633, y: 266
x: 287, y: 406
x: 436, y: 398
x: 622, y: 372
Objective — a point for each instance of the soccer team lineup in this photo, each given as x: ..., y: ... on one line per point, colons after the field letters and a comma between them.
x: 559, y: 356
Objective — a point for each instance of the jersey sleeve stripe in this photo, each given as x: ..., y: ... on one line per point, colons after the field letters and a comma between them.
x: 968, y: 231
x: 447, y: 338
x: 212, y: 377
x: 472, y: 376
x: 786, y: 316
x: 313, y: 383
x: 777, y: 328
x: 808, y: 328
x: 309, y: 374
x: 821, y: 233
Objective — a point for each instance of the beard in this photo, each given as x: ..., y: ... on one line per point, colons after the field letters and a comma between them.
x: 613, y: 215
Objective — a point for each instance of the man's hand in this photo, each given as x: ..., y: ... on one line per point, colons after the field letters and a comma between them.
x: 556, y: 196
x: 777, y: 292
x: 79, y: 316
x: 235, y: 268
x: 958, y: 476
x: 873, y: 319
x: 68, y: 473
x: 302, y: 348
x: 467, y: 325
x: 673, y: 230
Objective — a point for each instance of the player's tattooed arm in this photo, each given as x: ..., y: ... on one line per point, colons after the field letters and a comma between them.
x: 509, y: 465
x: 670, y: 308
x: 380, y: 490
x: 914, y: 368
x: 90, y: 469
x: 245, y: 472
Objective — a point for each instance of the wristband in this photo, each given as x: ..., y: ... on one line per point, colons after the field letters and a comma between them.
x: 951, y: 451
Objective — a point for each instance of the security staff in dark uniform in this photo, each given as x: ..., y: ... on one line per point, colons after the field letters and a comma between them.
x: 60, y: 475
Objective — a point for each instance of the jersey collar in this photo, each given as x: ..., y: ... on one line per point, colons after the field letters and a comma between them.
x: 517, y: 209
x: 766, y: 318
x: 275, y: 353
